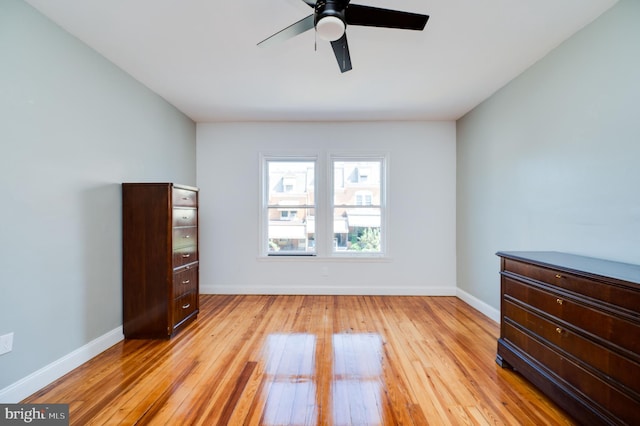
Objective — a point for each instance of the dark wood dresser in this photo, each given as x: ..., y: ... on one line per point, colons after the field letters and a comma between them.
x: 160, y: 258
x: 571, y: 326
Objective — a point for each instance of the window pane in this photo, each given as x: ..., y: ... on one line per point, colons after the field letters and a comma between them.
x: 356, y: 183
x: 292, y: 233
x: 291, y: 183
x: 356, y: 229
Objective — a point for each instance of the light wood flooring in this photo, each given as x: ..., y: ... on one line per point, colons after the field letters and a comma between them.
x: 309, y: 360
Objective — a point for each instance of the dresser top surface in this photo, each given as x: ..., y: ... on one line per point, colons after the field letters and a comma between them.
x: 578, y: 264
x: 163, y: 184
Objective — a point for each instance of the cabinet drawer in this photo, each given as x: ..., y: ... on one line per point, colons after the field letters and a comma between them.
x: 185, y: 280
x: 184, y: 197
x: 600, y: 392
x: 185, y: 217
x: 185, y: 237
x: 611, y: 364
x: 618, y: 331
x: 619, y: 296
x: 185, y: 256
x: 184, y: 306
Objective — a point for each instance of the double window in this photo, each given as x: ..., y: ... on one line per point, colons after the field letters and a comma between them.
x: 323, y: 206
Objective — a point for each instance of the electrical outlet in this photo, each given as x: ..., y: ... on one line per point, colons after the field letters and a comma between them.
x: 6, y: 343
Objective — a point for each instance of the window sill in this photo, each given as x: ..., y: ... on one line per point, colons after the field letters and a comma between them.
x: 318, y: 258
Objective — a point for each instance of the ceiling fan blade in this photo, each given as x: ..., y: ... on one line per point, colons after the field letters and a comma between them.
x: 310, y: 3
x: 341, y: 50
x: 293, y: 30
x: 375, y: 17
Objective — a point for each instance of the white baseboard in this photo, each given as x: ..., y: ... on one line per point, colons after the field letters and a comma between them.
x: 478, y: 304
x: 330, y: 290
x: 26, y: 386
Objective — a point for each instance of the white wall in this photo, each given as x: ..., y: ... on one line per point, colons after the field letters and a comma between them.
x: 552, y: 161
x: 421, y: 197
x: 72, y: 128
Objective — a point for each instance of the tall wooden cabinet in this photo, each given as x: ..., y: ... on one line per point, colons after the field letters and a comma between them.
x: 160, y: 258
x: 571, y: 325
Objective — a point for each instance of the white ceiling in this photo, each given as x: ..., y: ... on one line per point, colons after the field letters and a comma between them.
x: 201, y: 55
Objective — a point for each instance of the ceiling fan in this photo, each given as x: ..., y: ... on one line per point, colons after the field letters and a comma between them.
x: 331, y: 17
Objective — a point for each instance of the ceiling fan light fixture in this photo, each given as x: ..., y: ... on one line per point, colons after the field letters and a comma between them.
x: 330, y: 28
x: 330, y: 19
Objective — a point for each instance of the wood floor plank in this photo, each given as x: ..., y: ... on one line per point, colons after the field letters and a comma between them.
x: 238, y: 389
x: 308, y: 360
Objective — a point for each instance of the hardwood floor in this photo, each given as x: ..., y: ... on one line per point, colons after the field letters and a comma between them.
x: 309, y: 360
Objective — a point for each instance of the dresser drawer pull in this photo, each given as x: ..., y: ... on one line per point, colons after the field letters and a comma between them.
x: 558, y: 330
x: 185, y: 198
x: 187, y: 236
x: 558, y: 276
x: 559, y: 301
x: 186, y: 306
x: 185, y: 217
x: 186, y: 256
x: 186, y: 281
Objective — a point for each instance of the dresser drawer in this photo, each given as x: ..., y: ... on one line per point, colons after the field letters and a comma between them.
x: 617, y: 295
x: 185, y: 280
x: 184, y: 197
x: 184, y: 256
x: 621, y: 332
x: 618, y: 331
x: 625, y: 407
x: 185, y: 237
x: 184, y: 306
x: 611, y: 364
x: 185, y: 217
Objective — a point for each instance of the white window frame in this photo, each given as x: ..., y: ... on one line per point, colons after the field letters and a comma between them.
x: 383, y: 158
x: 324, y: 196
x: 264, y: 207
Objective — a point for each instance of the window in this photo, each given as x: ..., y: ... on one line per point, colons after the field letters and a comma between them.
x: 364, y: 198
x: 331, y: 206
x: 288, y: 214
x: 290, y: 206
x: 289, y: 183
x: 358, y: 206
x: 363, y: 174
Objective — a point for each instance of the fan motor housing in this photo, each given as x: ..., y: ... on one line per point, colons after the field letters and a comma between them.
x: 325, y: 8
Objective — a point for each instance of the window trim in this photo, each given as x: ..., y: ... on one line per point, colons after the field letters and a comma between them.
x: 264, y: 208
x: 384, y: 164
x: 323, y: 198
